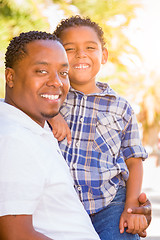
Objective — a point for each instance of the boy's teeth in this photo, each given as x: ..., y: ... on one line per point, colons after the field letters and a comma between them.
x: 51, y: 97
x: 82, y: 66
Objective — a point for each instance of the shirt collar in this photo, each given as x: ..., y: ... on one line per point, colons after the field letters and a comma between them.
x: 16, y: 115
x: 106, y: 90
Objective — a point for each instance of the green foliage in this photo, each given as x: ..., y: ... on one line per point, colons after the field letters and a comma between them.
x: 113, y: 16
x: 15, y: 17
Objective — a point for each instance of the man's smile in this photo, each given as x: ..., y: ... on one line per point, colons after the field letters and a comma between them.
x: 50, y: 96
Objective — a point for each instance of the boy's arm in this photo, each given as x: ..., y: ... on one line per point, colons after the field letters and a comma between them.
x: 135, y: 223
x: 60, y: 128
x: 18, y: 227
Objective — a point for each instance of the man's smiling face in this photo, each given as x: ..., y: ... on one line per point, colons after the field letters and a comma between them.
x: 38, y: 83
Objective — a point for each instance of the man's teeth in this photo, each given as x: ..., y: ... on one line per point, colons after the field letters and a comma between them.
x: 82, y: 66
x: 51, y: 97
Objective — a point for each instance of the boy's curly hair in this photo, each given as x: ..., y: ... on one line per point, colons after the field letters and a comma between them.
x: 76, y: 21
x: 16, y: 49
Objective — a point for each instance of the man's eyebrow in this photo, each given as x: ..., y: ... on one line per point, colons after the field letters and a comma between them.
x: 40, y: 63
x: 65, y: 65
x: 46, y: 63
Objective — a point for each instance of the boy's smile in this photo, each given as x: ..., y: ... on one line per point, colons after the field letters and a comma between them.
x: 81, y: 66
x: 85, y: 55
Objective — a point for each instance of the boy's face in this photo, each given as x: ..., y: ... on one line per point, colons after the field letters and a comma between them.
x: 38, y: 83
x: 85, y: 54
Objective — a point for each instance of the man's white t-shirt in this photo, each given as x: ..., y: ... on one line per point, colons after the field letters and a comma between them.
x: 35, y: 179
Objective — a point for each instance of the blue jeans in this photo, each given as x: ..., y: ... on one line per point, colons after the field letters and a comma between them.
x: 106, y: 222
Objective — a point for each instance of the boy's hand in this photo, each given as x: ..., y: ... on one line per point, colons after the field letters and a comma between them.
x: 135, y: 223
x: 60, y: 128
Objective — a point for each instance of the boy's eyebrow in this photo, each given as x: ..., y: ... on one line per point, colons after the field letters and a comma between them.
x: 68, y: 43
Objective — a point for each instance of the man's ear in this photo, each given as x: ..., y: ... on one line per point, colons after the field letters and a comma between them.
x: 9, y: 75
x: 104, y: 55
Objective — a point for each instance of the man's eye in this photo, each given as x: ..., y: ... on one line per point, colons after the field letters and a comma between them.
x: 64, y: 73
x: 42, y: 71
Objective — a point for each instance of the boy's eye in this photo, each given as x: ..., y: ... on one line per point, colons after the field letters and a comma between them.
x: 90, y: 47
x: 69, y: 49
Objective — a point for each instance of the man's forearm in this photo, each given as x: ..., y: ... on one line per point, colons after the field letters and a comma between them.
x: 18, y: 227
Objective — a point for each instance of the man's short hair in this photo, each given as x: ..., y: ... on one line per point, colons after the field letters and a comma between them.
x: 16, y: 49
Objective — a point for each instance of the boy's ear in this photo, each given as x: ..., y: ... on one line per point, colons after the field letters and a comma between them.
x: 9, y: 75
x: 104, y: 55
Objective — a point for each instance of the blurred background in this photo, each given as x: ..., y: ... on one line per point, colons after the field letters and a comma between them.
x: 132, y: 36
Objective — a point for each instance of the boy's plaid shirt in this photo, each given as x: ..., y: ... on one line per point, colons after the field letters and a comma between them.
x: 104, y: 134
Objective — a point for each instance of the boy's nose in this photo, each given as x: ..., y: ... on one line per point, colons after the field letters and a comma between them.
x: 80, y: 53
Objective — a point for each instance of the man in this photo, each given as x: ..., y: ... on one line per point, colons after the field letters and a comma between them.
x: 37, y: 196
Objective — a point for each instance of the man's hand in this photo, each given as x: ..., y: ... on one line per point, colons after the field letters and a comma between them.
x: 144, y: 208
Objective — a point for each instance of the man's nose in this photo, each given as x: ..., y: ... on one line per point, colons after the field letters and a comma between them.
x: 54, y: 80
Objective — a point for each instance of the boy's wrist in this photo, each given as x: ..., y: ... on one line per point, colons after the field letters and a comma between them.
x: 131, y: 203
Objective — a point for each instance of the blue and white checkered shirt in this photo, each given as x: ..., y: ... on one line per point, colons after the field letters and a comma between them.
x: 104, y: 134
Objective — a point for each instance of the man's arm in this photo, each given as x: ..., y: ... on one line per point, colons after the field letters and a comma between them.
x: 18, y: 227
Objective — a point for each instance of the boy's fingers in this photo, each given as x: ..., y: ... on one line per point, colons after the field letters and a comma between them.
x: 143, y: 234
x: 69, y: 137
x: 144, y: 210
x: 121, y: 225
x: 125, y: 225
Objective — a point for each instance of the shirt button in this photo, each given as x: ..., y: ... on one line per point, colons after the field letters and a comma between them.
x: 85, y: 97
x: 77, y: 144
x: 74, y: 165
x: 79, y: 188
x: 82, y: 119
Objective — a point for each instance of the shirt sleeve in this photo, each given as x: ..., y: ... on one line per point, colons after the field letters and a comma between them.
x: 21, y: 177
x: 131, y: 143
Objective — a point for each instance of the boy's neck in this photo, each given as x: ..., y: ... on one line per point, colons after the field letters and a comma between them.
x: 86, y: 88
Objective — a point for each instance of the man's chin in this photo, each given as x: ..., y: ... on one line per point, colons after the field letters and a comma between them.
x: 49, y: 116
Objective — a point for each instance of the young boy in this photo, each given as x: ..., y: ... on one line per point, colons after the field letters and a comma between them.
x: 105, y: 156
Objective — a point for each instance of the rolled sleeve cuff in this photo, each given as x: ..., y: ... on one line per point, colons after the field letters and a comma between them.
x: 135, y: 152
